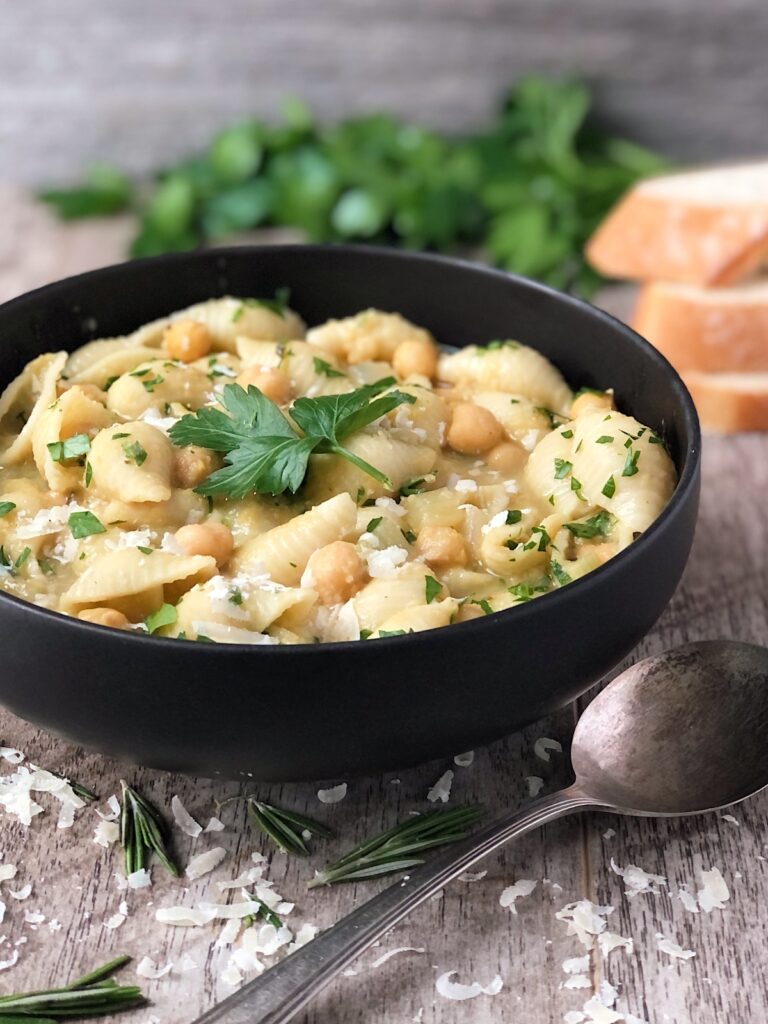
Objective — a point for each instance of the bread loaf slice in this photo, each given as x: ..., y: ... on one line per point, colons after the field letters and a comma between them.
x: 730, y: 402
x: 702, y: 227
x: 717, y: 330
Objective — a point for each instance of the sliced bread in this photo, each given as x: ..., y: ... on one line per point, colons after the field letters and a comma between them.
x: 703, y: 227
x: 716, y: 330
x: 730, y: 402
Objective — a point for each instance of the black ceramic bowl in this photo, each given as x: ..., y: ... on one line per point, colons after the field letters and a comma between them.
x: 289, y: 713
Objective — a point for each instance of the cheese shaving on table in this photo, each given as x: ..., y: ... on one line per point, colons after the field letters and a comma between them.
x: 453, y: 990
x: 573, y: 1017
x: 147, y: 968
x: 543, y: 745
x: 578, y: 981
x: 114, y: 810
x: 11, y: 755
x: 14, y: 959
x: 608, y: 941
x: 106, y: 833
x: 585, y: 920
x: 21, y: 894
x: 139, y: 879
x: 394, y: 952
x: 464, y: 760
x: 187, y: 964
x: 16, y: 794
x: 713, y: 892
x: 214, y: 825
x: 7, y: 872
x: 608, y: 992
x: 115, y: 921
x: 185, y: 917
x: 229, y: 932
x: 305, y: 934
x: 510, y: 895
x: 472, y: 876
x: 597, y: 1013
x: 637, y: 880
x: 731, y: 820
x: 535, y: 784
x: 672, y: 948
x: 205, y: 862
x: 184, y: 819
x: 688, y: 900
x: 576, y: 964
x: 442, y: 788
x: 332, y: 795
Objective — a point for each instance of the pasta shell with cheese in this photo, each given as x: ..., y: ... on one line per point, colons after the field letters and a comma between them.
x: 511, y: 367
x: 132, y: 462
x: 23, y: 403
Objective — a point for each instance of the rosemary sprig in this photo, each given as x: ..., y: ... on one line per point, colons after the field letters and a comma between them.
x: 263, y: 912
x: 142, y: 832
x: 394, y: 849
x: 93, y: 995
x: 284, y: 828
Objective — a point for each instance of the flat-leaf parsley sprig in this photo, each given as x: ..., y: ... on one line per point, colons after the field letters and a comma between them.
x: 264, y: 452
x: 398, y: 847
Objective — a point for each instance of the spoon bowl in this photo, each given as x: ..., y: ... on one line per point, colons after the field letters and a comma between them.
x: 679, y: 733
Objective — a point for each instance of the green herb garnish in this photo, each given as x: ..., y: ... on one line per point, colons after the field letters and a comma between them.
x: 285, y: 828
x: 93, y: 995
x: 151, y: 383
x: 165, y: 615
x: 263, y: 451
x: 22, y: 558
x: 6, y: 507
x: 88, y: 474
x: 142, y: 833
x: 599, y: 525
x: 432, y: 588
x: 399, y: 848
x: 277, y: 305
x: 562, y: 468
x: 134, y: 452
x: 373, y: 524
x: 605, y: 439
x: 483, y: 603
x: 630, y: 463
x: 514, y: 516
x: 84, y: 524
x: 409, y: 535
x: 559, y: 574
x: 72, y: 448
x: 321, y: 366
x: 609, y: 487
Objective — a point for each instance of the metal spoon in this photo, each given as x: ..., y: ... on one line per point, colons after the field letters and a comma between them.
x: 681, y: 733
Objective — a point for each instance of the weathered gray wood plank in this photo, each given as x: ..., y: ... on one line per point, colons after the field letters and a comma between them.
x: 722, y: 594
x: 143, y: 83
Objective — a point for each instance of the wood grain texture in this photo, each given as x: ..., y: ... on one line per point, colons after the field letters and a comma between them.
x: 722, y: 594
x: 142, y: 83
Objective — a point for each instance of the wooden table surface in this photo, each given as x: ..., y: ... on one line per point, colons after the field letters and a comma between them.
x: 723, y: 594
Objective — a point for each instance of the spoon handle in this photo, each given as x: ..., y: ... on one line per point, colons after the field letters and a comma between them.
x: 278, y: 995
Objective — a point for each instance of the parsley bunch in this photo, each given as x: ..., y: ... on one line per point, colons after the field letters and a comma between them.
x: 263, y: 450
x: 527, y: 190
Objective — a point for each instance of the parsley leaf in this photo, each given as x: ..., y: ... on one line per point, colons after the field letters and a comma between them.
x: 72, y: 448
x: 84, y: 524
x: 325, y: 368
x: 562, y: 468
x: 599, y: 525
x: 6, y: 507
x: 134, y: 453
x: 263, y: 452
x: 432, y: 588
x: 165, y: 615
x: 277, y: 305
x: 609, y: 487
x: 514, y: 515
x: 373, y: 524
x: 630, y: 463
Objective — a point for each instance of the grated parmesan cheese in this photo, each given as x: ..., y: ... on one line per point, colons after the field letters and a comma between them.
x: 442, y: 788
x: 106, y: 833
x: 578, y: 981
x: 585, y: 920
x: 713, y: 892
x: 383, y: 565
x: 184, y: 819
x: 672, y: 948
x: 453, y: 990
x: 510, y: 895
x: 576, y: 964
x: 205, y: 862
x: 214, y: 825
x: 394, y: 952
x: 147, y: 968
x: 608, y: 941
x: 464, y: 760
x: 21, y: 894
x: 535, y: 784
x: 543, y: 745
x: 139, y: 879
x: 637, y: 880
x: 332, y: 795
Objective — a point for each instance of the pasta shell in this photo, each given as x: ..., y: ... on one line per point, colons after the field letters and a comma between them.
x: 515, y: 368
x: 74, y: 412
x: 132, y: 462
x: 370, y: 335
x: 29, y: 395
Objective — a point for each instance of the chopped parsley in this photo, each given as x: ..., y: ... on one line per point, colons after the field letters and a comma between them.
x: 134, y: 453
x: 165, y: 615
x: 236, y: 596
x: 373, y: 524
x: 109, y: 382
x: 151, y: 384
x: 412, y: 486
x: 598, y: 525
x: 145, y: 551
x: 72, y: 448
x: 276, y: 305
x: 562, y: 468
x: 605, y: 439
x: 84, y: 524
x: 325, y: 368
x: 392, y: 632
x: 567, y: 434
x: 409, y: 535
x: 88, y: 474
x: 432, y: 588
x: 22, y: 558
x: 559, y: 574
x: 630, y: 463
x: 483, y: 604
x: 514, y: 515
x: 525, y: 591
x: 6, y: 507
x: 365, y: 633
x: 46, y: 566
x: 544, y: 539
x: 609, y: 487
x: 576, y: 486
x: 118, y: 437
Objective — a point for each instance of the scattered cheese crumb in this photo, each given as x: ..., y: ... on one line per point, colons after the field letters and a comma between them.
x: 543, y: 745
x: 147, y: 968
x: 672, y: 948
x: 115, y: 921
x: 464, y: 760
x: 33, y: 917
x: 14, y: 959
x: 578, y: 981
x: 442, y: 788
x: 609, y: 833
x: 472, y: 876
x: 394, y: 952
x: 510, y: 895
x: 731, y: 820
x: 184, y: 819
x: 453, y: 990
x: 139, y: 879
x: 573, y: 1017
x: 597, y: 1013
x: 585, y: 920
x: 231, y: 976
x: 608, y: 941
x: 205, y: 862
x: 214, y: 825
x: 332, y: 795
x: 187, y: 964
x: 384, y: 564
x: 114, y: 810
x: 106, y: 833
x: 7, y: 872
x: 637, y: 880
x: 713, y: 892
x: 305, y: 934
x: 23, y: 893
x: 229, y: 932
x: 185, y: 917
x: 688, y: 900
x: 576, y: 964
x: 535, y: 784
x: 11, y: 755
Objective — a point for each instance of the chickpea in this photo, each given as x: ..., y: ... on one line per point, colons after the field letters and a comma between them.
x: 273, y: 383
x: 105, y: 617
x: 591, y: 401
x: 191, y: 466
x: 473, y: 429
x: 206, y: 539
x: 506, y: 457
x: 415, y: 357
x: 442, y: 545
x: 336, y: 572
x: 187, y: 340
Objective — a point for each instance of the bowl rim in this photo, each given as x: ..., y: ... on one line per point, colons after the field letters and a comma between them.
x: 687, y: 481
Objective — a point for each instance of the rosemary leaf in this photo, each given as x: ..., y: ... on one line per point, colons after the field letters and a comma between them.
x: 263, y: 912
x: 93, y: 995
x: 394, y: 849
x: 142, y: 833
x: 285, y: 828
